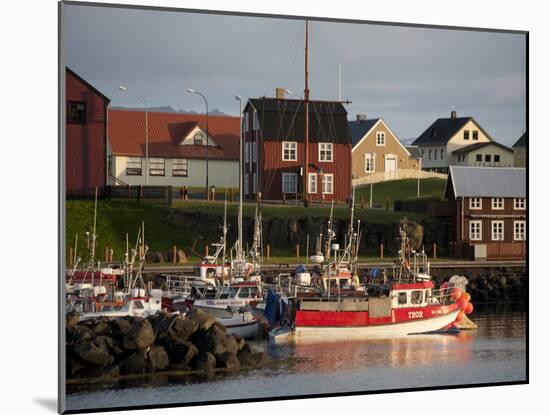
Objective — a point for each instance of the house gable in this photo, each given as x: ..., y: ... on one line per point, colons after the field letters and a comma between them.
x: 457, y: 141
x: 189, y: 138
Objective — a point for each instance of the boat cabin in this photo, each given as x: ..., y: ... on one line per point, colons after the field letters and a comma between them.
x: 411, y: 295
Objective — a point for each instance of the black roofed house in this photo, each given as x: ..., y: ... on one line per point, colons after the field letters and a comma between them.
x: 520, y: 151
x: 446, y: 135
x: 489, y: 211
x: 274, y: 153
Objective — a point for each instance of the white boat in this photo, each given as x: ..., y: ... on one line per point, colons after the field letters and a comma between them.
x: 242, y: 324
x: 216, y: 300
x: 137, y: 305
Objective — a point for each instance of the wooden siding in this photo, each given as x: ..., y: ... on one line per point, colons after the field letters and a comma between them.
x: 392, y: 146
x: 86, y: 144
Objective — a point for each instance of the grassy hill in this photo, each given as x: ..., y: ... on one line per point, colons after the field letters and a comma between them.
x: 400, y: 190
x: 199, y: 221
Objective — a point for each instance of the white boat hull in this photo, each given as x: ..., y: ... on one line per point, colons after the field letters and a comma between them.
x: 376, y: 331
x: 243, y: 328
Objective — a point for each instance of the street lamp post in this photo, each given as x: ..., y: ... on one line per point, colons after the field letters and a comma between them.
x: 124, y: 88
x: 240, y: 224
x: 192, y: 91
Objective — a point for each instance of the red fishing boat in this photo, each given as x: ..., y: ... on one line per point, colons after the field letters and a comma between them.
x: 405, y: 302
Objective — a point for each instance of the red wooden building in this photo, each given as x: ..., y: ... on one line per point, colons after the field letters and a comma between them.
x: 274, y: 150
x: 489, y: 211
x: 86, y: 136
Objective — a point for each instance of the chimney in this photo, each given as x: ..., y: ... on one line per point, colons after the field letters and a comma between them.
x: 453, y: 115
x: 280, y: 93
x: 361, y: 117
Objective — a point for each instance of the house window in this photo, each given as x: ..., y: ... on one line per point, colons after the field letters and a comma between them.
x: 497, y: 227
x: 519, y: 230
x: 519, y: 203
x: 429, y: 154
x: 475, y: 230
x: 156, y: 166
x: 475, y: 135
x: 479, y: 158
x: 246, y: 184
x: 497, y: 203
x: 312, y: 180
x: 179, y: 167
x: 255, y: 121
x: 325, y: 151
x: 496, y: 158
x: 197, y: 139
x: 254, y: 152
x: 254, y: 183
x: 245, y: 122
x: 133, y: 166
x: 289, y: 183
x: 246, y: 153
x: 466, y: 134
x: 328, y: 181
x: 435, y: 154
x: 475, y: 203
x: 442, y: 154
x: 488, y: 158
x: 380, y: 138
x: 76, y: 112
x: 290, y: 150
x: 369, y: 163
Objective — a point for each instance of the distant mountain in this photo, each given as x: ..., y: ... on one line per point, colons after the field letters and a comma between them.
x: 168, y: 108
x: 407, y: 141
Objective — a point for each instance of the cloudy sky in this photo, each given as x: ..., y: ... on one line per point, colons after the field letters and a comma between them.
x: 408, y: 76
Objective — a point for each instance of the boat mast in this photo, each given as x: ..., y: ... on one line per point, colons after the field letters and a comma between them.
x: 94, y: 236
x: 306, y: 109
x: 224, y: 227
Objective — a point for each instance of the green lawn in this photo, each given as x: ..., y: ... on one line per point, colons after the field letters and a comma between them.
x: 400, y: 190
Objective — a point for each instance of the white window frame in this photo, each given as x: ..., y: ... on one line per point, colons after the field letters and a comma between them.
x: 380, y: 139
x: 131, y: 165
x: 476, y: 234
x: 476, y: 203
x: 290, y: 146
x: 520, y: 203
x: 312, y: 183
x: 326, y: 149
x: 180, y: 168
x: 497, y: 203
x: 327, y: 182
x: 154, y: 165
x: 520, y: 235
x: 284, y: 175
x: 370, y: 163
x: 495, y: 235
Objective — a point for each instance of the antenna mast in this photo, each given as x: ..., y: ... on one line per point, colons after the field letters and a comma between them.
x: 306, y: 105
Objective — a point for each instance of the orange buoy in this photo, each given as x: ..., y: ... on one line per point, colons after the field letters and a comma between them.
x: 462, y: 302
x: 469, y: 308
x: 459, y: 317
x: 467, y: 296
x: 456, y: 293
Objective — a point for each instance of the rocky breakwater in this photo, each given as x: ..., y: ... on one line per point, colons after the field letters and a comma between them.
x: 107, y: 350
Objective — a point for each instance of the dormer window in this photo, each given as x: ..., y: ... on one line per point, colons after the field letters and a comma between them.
x: 475, y: 135
x: 466, y: 134
x: 198, y: 139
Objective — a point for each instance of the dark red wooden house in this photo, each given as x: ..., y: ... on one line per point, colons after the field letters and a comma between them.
x: 274, y: 150
x: 86, y: 136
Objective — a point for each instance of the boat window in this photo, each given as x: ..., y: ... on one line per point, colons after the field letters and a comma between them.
x: 138, y: 305
x: 416, y: 297
x: 224, y: 293
x: 254, y: 292
x: 244, y: 292
x: 402, y: 298
x: 233, y: 292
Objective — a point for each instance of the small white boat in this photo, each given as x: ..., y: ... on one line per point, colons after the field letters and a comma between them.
x: 138, y: 305
x: 281, y: 335
x: 242, y: 324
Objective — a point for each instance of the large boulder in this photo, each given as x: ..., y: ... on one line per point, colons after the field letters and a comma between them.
x: 140, y: 336
x: 101, y: 326
x: 250, y: 359
x: 181, y: 353
x: 121, y: 327
x: 203, y: 319
x: 158, y: 358
x: 82, y: 332
x: 93, y: 353
x: 230, y: 344
x: 72, y: 318
x: 206, y: 341
x: 136, y: 363
x: 228, y: 361
x: 104, y: 373
x: 206, y: 362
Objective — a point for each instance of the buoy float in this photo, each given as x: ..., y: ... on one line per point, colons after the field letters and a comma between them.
x: 456, y: 293
x: 469, y: 308
x: 459, y: 317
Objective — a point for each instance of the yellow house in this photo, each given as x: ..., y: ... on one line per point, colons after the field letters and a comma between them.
x: 377, y: 153
x: 490, y: 154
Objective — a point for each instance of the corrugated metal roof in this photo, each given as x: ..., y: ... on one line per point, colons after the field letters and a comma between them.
x: 284, y: 119
x: 359, y: 128
x: 488, y: 181
x: 166, y: 130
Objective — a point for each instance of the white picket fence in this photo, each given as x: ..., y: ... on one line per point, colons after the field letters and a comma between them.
x: 397, y: 175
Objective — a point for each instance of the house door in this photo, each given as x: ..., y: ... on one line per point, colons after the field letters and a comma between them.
x: 390, y: 166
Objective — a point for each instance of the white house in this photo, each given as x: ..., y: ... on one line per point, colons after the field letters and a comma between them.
x: 178, y: 147
x: 445, y: 137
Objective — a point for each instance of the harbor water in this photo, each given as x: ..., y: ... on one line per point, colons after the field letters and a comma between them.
x: 496, y: 352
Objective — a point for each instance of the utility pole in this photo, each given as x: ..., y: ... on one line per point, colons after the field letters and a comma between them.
x: 306, y: 140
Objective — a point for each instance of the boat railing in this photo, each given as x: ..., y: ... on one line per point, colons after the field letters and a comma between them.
x: 443, y: 296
